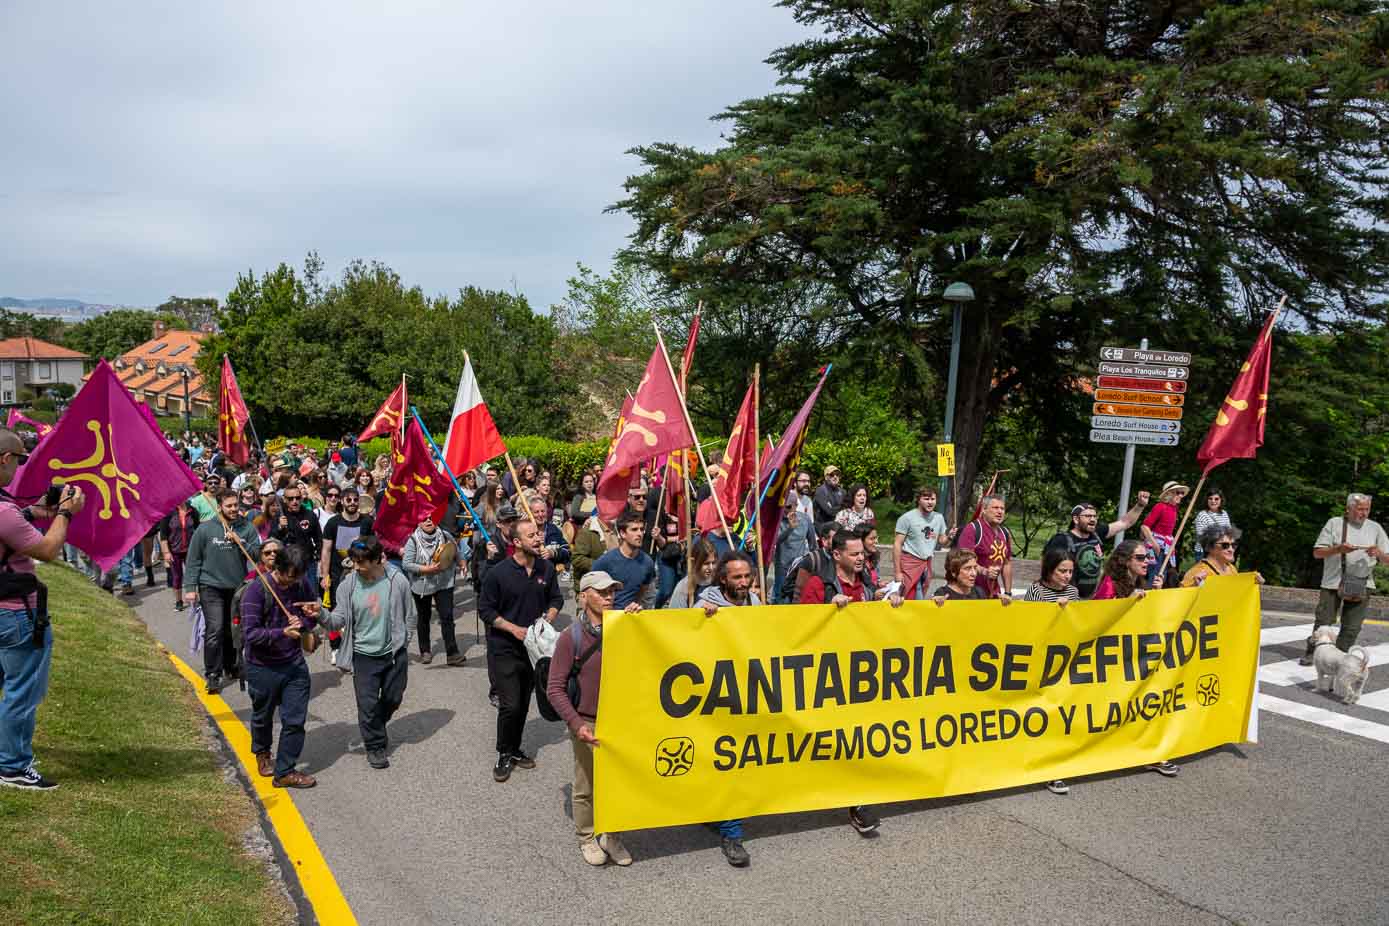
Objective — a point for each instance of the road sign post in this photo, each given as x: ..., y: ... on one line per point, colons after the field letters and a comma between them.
x: 1140, y: 396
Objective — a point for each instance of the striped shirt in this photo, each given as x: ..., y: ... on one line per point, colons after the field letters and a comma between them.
x: 1040, y: 592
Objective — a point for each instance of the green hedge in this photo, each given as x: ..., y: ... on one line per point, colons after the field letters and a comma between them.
x: 565, y: 461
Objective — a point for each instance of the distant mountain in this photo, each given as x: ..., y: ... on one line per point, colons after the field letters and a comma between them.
x: 51, y: 306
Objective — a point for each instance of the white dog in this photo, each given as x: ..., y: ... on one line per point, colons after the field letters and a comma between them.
x: 1344, y: 674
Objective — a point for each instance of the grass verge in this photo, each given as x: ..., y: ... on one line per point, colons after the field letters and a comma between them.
x: 144, y: 828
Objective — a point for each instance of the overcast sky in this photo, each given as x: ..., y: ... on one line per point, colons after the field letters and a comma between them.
x: 157, y: 149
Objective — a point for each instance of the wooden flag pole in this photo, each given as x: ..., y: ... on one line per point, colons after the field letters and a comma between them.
x: 757, y: 478
x: 660, y: 513
x: 520, y: 491
x: 690, y: 578
x: 404, y: 405
x: 685, y: 410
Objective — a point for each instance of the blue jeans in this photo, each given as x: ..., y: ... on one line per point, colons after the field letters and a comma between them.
x: 731, y: 829
x: 24, y: 676
x: 285, y: 688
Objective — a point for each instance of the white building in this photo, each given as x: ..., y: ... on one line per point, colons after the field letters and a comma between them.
x: 38, y: 365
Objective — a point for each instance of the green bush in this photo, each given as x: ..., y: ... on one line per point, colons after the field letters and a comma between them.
x: 876, y: 464
x: 565, y: 461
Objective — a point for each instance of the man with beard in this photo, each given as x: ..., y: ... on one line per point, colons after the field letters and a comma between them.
x: 298, y: 527
x: 336, y: 541
x: 1085, y: 541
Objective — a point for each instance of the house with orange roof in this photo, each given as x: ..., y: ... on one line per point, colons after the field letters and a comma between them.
x: 35, y: 364
x: 163, y: 372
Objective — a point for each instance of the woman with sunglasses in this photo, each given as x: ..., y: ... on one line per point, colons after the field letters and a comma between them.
x: 250, y: 507
x: 1125, y: 574
x: 1213, y: 514
x: 332, y: 504
x: 1220, y: 545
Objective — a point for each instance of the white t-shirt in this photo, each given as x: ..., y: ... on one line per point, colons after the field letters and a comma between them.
x: 1358, y: 563
x: 923, y: 532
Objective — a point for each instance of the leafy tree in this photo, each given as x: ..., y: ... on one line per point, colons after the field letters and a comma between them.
x: 23, y: 324
x: 111, y: 334
x: 1097, y: 171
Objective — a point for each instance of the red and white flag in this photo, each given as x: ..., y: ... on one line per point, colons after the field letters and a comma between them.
x: 473, y: 437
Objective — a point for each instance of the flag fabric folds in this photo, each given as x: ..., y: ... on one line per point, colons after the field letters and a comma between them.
x: 232, y: 417
x: 108, y: 446
x: 473, y: 437
x: 414, y: 489
x: 654, y: 424
x: 779, y: 467
x: 388, y: 417
x: 1238, y: 429
x: 737, y: 469
x: 16, y: 419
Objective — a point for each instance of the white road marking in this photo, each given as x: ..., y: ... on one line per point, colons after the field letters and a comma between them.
x: 1325, y: 718
x: 1376, y: 700
x: 1274, y: 636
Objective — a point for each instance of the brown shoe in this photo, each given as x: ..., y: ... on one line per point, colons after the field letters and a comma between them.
x: 457, y: 659
x: 295, y: 780
x: 265, y: 764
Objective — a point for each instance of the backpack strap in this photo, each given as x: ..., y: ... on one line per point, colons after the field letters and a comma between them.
x: 578, y: 638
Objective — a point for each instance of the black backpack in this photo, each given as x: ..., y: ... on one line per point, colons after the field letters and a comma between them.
x: 542, y: 676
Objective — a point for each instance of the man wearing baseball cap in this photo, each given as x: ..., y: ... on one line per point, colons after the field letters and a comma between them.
x: 579, y: 651
x: 829, y: 498
x: 485, y: 556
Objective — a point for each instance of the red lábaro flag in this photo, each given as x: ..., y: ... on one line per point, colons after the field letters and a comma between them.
x: 654, y: 424
x: 779, y: 469
x: 388, y: 417
x: 473, y: 437
x: 737, y: 469
x: 679, y: 465
x: 687, y: 359
x: 1238, y: 429
x: 232, y: 417
x: 415, y: 488
x: 108, y: 446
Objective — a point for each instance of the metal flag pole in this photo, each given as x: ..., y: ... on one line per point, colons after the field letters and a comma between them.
x: 757, y: 470
x: 439, y: 458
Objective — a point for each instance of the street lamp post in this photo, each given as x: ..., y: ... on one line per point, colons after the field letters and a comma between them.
x: 187, y: 410
x: 957, y: 294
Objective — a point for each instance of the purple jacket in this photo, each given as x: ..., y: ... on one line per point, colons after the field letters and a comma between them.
x: 263, y: 623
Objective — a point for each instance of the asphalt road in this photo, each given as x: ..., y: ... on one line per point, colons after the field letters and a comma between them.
x: 1288, y: 830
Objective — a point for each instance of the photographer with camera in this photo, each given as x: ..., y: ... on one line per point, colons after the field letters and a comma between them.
x: 26, y: 643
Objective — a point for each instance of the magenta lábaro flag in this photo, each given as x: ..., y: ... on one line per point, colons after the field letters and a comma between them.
x: 106, y: 446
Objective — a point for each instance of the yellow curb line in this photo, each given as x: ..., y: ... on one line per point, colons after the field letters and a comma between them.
x: 315, y: 877
x: 1377, y: 622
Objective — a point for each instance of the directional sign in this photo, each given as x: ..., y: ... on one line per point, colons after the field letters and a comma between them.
x: 1140, y: 355
x: 1132, y: 437
x: 1144, y: 371
x: 1114, y: 409
x: 1147, y: 385
x: 1151, y: 425
x: 1140, y: 398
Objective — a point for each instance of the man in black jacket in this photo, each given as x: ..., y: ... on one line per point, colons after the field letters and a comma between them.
x: 516, y: 593
x: 299, y: 527
x: 829, y: 498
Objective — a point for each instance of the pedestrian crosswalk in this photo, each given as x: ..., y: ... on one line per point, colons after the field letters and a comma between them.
x: 1289, y: 689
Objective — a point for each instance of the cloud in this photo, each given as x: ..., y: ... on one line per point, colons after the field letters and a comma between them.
x: 160, y: 148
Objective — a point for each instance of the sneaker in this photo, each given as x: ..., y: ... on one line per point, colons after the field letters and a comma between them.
x: 502, y: 771
x: 1165, y: 768
x: 1058, y: 786
x: 521, y: 760
x: 265, y: 765
x: 127, y: 589
x: 863, y: 820
x: 614, y: 849
x: 426, y: 657
x: 215, y: 683
x: 457, y: 659
x: 492, y: 699
x: 294, y: 780
x: 735, y: 853
x: 376, y: 758
x: 593, y: 853
x: 29, y: 780
x: 179, y: 605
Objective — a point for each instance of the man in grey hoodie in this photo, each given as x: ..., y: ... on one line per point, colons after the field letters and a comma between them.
x: 371, y: 612
x: 214, y: 569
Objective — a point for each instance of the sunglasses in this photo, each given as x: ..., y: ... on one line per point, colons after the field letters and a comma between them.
x: 21, y: 457
x: 293, y: 498
x: 1228, y: 544
x: 1139, y: 556
x: 332, y: 495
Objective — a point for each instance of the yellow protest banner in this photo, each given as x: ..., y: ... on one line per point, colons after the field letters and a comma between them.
x: 277, y: 445
x: 945, y: 459
x: 786, y: 708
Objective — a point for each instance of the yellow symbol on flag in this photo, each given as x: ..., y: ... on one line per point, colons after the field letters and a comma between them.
x: 104, y: 468
x: 231, y: 427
